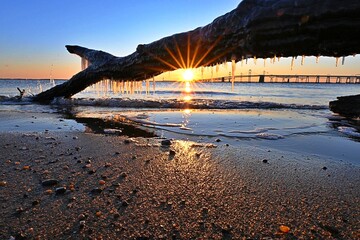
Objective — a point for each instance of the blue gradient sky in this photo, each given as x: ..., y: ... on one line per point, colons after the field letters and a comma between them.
x: 33, y: 33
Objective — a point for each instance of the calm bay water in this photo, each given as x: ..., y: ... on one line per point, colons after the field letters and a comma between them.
x: 291, y: 116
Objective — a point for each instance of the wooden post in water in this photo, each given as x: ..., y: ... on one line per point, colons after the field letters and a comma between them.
x: 262, y: 78
x: 328, y: 79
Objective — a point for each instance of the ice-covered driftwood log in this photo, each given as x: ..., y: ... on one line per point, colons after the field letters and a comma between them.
x: 256, y: 28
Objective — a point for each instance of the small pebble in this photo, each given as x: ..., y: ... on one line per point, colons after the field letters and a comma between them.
x: 265, y: 161
x: 284, y: 229
x: 82, y: 224
x: 102, y: 182
x: 165, y: 142
x: 218, y: 140
x: 49, y: 192
x: 172, y: 152
x: 98, y: 213
x: 72, y: 187
x: 324, y: 168
x: 60, y: 190
x: 19, y: 210
x: 26, y: 167
x: 82, y: 216
x: 3, y: 183
x: 96, y: 191
x: 49, y: 182
x: 127, y: 141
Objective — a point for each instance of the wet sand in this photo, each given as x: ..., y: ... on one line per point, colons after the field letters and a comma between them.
x: 115, y: 187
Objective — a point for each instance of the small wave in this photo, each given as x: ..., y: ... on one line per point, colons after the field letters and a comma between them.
x: 6, y: 100
x: 181, y: 104
x: 349, y: 131
x: 256, y: 130
x: 269, y: 136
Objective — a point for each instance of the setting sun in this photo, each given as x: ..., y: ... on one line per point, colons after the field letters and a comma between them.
x: 188, y: 75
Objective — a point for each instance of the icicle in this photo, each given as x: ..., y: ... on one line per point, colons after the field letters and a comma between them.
x: 212, y: 73
x: 292, y: 62
x: 153, y: 84
x: 202, y: 72
x: 114, y: 86
x: 122, y: 87
x: 343, y: 60
x: 242, y: 60
x: 337, y: 61
x: 148, y: 86
x: 274, y: 59
x: 246, y: 60
x: 233, y: 65
x: 255, y: 60
x: 233, y: 68
x: 217, y: 67
x: 317, y: 59
x: 264, y: 62
x: 40, y: 86
x: 278, y: 58
x: 302, y: 60
x: 84, y: 63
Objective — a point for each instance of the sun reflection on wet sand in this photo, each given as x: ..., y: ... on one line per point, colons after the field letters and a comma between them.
x: 187, y: 98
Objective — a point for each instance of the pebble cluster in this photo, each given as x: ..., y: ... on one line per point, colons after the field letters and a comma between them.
x: 95, y: 187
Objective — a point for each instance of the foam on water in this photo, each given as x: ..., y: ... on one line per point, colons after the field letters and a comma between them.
x: 196, y: 103
x: 269, y: 136
x: 350, y: 131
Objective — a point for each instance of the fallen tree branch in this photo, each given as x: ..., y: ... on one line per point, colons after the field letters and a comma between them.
x: 256, y: 28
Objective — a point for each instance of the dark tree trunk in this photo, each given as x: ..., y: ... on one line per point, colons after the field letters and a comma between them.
x: 256, y: 28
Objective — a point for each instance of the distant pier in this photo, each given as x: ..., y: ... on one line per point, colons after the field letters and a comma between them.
x: 256, y: 78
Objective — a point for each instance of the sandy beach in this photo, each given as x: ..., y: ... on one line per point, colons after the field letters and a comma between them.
x: 59, y: 183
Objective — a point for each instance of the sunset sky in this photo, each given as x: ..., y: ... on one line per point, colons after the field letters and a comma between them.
x: 33, y: 34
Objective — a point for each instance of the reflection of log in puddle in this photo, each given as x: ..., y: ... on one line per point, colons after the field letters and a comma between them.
x: 104, y: 126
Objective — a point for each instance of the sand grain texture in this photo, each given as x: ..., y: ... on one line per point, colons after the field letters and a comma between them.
x: 109, y: 188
